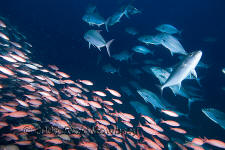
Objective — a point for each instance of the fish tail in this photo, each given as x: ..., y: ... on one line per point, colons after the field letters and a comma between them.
x: 108, y: 45
x: 5, y: 115
x: 12, y: 127
x: 139, y: 124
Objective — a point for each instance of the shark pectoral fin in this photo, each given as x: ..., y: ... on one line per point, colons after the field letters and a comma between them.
x: 194, y: 73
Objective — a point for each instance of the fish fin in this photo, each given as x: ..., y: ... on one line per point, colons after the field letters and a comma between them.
x: 4, y: 115
x: 106, y: 24
x: 139, y: 124
x: 89, y: 44
x: 194, y: 73
x: 99, y: 48
x: 171, y: 53
x: 189, y: 75
x: 108, y: 45
x: 12, y: 127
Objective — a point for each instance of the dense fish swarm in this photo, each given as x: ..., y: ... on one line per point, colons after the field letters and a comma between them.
x: 43, y: 108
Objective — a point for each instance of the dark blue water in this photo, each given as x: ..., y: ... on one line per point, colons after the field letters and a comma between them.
x: 55, y: 29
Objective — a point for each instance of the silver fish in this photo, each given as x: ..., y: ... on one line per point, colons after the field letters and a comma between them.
x: 185, y: 67
x: 172, y: 43
x: 142, y: 49
x: 167, y: 28
x: 93, y: 37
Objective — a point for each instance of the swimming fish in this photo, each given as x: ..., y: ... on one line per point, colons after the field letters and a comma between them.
x: 93, y: 37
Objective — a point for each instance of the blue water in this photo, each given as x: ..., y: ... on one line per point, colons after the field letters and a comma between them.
x: 55, y: 29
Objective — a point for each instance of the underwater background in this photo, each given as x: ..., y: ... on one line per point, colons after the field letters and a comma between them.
x: 56, y: 31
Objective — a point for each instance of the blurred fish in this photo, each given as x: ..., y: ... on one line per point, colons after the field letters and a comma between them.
x: 91, y: 9
x: 131, y: 10
x: 108, y: 68
x: 126, y: 90
x: 215, y: 115
x: 142, y: 49
x: 141, y: 108
x: 152, y: 98
x: 135, y: 72
x: 171, y: 43
x: 93, y: 19
x: 115, y: 18
x: 131, y: 30
x: 150, y: 39
x: 122, y: 56
x: 167, y: 28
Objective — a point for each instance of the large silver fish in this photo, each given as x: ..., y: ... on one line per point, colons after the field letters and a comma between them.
x: 93, y: 37
x: 186, y: 67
